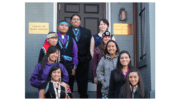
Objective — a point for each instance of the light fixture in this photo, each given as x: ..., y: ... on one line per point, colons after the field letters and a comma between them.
x: 122, y: 14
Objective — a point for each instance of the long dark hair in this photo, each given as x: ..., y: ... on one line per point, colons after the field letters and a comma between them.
x: 106, y: 51
x: 125, y: 89
x: 55, y: 67
x: 50, y: 50
x: 119, y: 66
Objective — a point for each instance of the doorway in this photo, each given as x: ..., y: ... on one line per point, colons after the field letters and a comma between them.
x: 90, y: 14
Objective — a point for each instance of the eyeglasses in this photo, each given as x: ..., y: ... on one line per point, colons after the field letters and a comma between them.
x: 75, y: 19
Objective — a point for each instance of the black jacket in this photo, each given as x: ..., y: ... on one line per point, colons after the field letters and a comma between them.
x: 114, y: 86
x: 83, y: 44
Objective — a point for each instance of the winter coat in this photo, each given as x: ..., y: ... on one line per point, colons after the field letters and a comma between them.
x: 105, y: 66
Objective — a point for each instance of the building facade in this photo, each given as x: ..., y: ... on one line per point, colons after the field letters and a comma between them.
x: 140, y: 45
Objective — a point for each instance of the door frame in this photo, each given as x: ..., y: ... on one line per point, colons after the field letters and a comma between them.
x: 54, y: 16
x: 135, y: 33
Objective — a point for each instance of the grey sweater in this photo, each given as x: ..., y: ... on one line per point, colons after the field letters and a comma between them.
x: 104, y: 68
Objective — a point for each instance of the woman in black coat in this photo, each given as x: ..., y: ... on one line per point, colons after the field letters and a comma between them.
x: 118, y: 75
x: 134, y: 86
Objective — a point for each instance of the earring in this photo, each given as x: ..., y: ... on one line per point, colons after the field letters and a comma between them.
x: 48, y: 58
x: 60, y: 79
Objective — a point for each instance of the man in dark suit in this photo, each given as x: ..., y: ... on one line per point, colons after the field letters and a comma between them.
x: 82, y: 37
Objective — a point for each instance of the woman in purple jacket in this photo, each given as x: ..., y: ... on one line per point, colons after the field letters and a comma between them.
x: 41, y: 71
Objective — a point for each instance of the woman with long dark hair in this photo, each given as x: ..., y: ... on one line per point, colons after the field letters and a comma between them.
x: 40, y: 73
x: 118, y: 75
x: 98, y: 54
x: 54, y: 87
x: 134, y: 86
x: 106, y: 65
x: 96, y: 39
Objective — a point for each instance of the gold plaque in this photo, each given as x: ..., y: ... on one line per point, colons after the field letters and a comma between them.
x: 122, y: 29
x: 38, y: 28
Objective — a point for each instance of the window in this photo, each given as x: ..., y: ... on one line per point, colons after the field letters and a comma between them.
x: 142, y: 31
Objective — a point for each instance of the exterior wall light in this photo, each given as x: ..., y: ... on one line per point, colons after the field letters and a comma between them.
x: 122, y: 14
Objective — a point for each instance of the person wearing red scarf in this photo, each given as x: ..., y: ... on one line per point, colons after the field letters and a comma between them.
x: 52, y: 39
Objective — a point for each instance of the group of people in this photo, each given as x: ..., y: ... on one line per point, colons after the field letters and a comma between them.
x: 66, y: 54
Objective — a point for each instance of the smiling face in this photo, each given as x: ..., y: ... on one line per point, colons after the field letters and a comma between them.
x: 56, y: 75
x: 103, y: 26
x: 53, y: 56
x: 111, y: 48
x: 75, y: 21
x: 133, y: 78
x: 124, y: 59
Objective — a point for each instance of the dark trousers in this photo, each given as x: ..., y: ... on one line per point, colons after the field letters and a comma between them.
x: 71, y: 77
x: 71, y: 82
x: 82, y: 78
x: 99, y: 94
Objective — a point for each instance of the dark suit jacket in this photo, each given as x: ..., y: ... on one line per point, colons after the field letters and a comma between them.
x: 114, y: 86
x: 83, y: 44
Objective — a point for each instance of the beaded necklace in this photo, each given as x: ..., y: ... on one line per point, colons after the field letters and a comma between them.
x: 76, y: 31
x: 57, y: 89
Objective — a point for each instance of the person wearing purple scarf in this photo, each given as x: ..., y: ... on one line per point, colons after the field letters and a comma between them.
x: 69, y: 51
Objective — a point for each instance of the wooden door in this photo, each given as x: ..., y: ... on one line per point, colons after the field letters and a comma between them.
x: 90, y: 14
